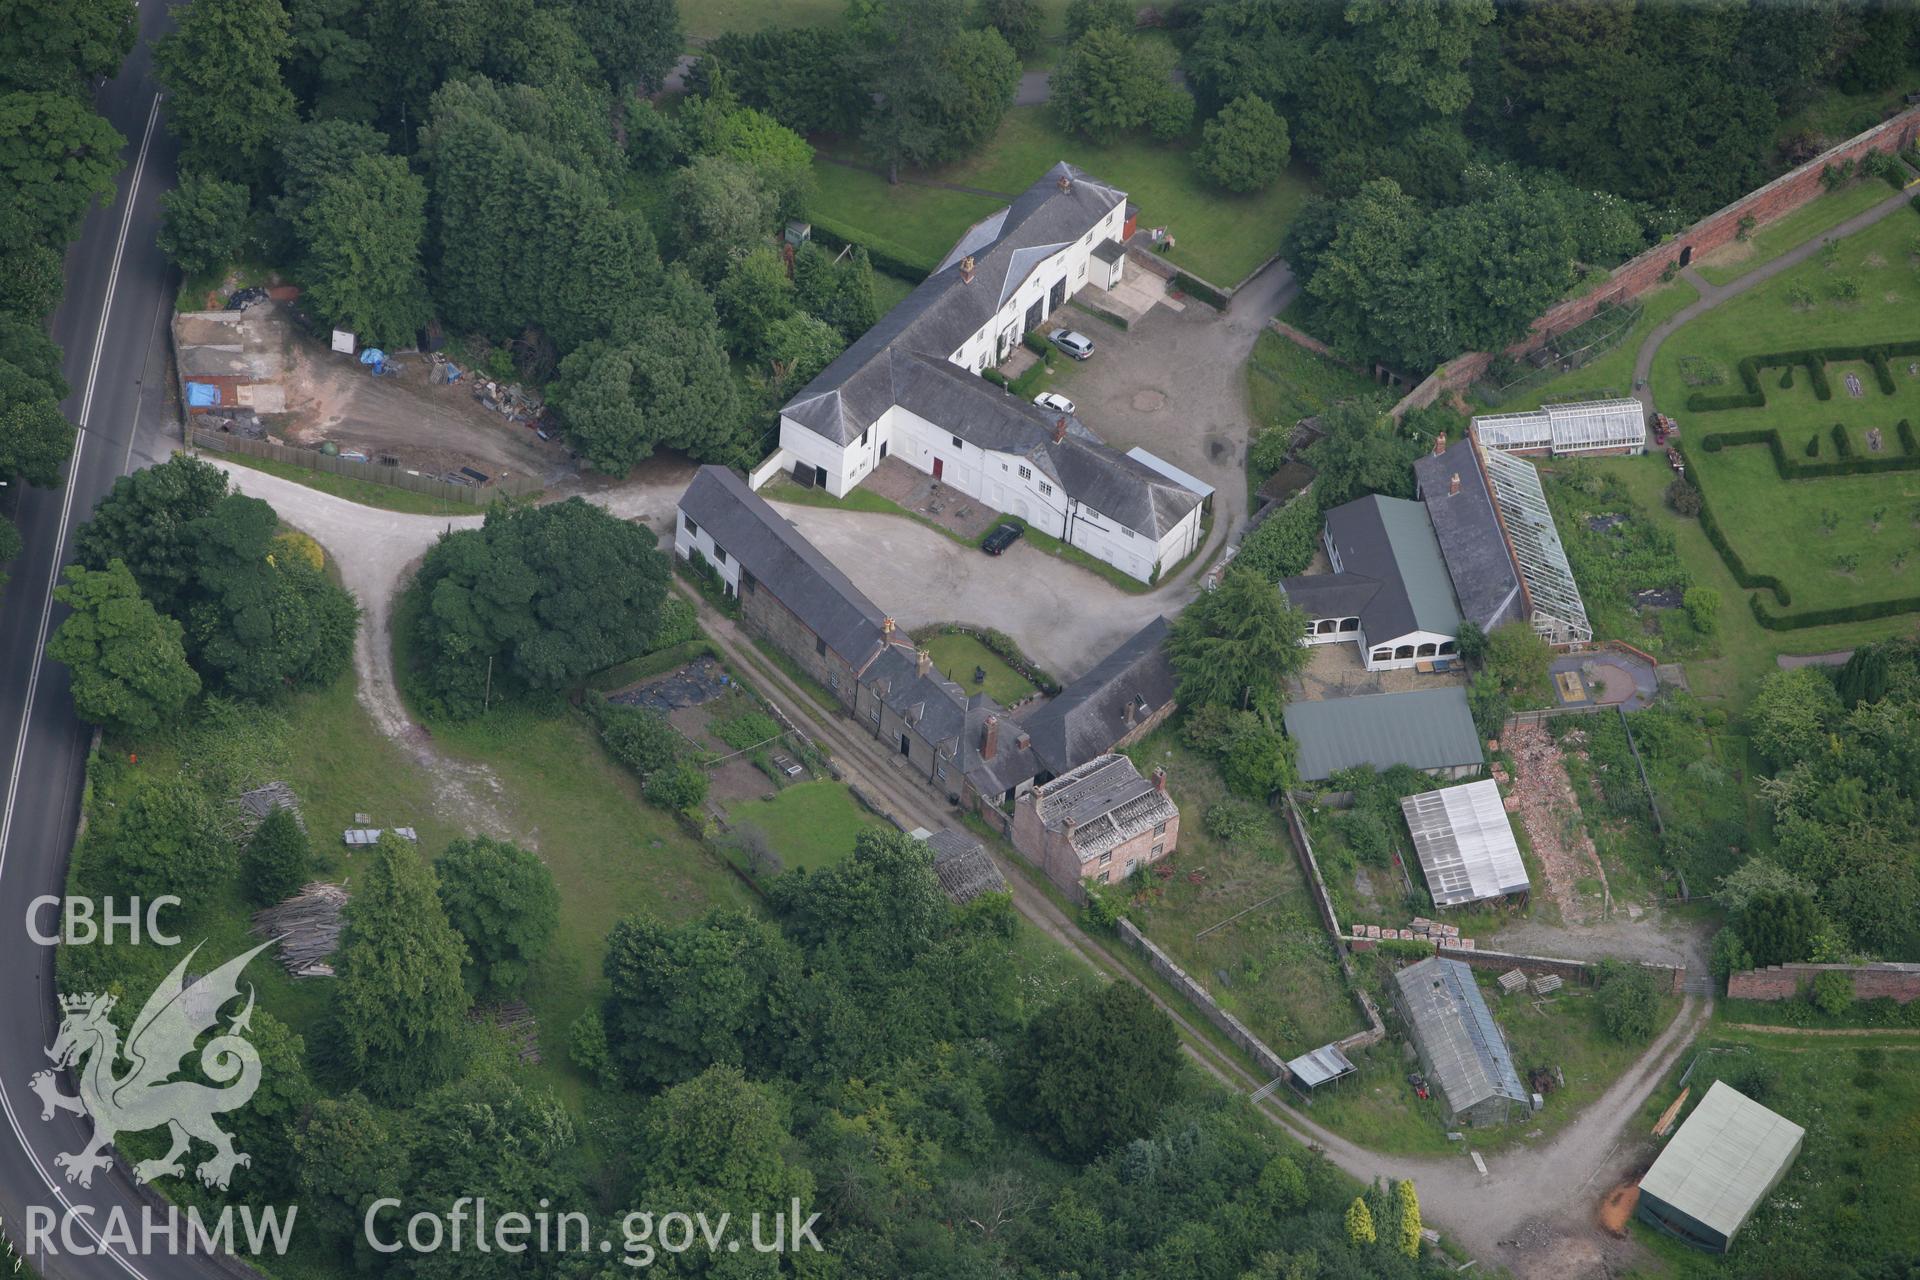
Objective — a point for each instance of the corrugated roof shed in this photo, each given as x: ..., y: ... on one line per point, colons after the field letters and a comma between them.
x: 1467, y: 1056
x: 1425, y: 728
x: 1724, y: 1160
x: 1465, y: 843
x: 1324, y: 1064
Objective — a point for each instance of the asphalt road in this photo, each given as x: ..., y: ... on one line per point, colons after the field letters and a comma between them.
x: 111, y: 326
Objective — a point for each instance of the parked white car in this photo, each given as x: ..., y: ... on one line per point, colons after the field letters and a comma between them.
x: 1054, y: 402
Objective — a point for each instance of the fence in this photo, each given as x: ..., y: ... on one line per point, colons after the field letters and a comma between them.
x: 395, y: 477
x: 1574, y: 349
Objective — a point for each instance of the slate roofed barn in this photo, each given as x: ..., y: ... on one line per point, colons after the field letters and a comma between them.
x: 1725, y: 1159
x: 963, y: 867
x: 1465, y: 843
x: 1430, y: 729
x: 1462, y: 1052
x: 910, y: 389
x: 1120, y: 699
x: 1486, y: 581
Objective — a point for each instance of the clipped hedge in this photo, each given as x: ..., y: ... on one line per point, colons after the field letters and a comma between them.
x: 1708, y: 525
x: 1200, y: 289
x: 1028, y: 384
x: 1036, y: 342
x: 894, y: 259
x: 1865, y: 611
x: 1849, y: 463
x: 1815, y: 359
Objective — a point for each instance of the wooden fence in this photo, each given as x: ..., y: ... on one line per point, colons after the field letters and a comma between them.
x: 395, y: 477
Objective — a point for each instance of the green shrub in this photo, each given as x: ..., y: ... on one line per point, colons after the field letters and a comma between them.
x: 1904, y: 430
x: 1628, y: 999
x: 1036, y: 342
x: 1841, y: 444
x: 1234, y: 821
x: 886, y: 256
x: 1832, y: 992
x: 748, y: 729
x: 1813, y: 446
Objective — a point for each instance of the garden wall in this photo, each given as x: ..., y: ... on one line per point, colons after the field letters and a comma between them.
x: 1901, y: 982
x: 1270, y: 1064
x: 1634, y: 277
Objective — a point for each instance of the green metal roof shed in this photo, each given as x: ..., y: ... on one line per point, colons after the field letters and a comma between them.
x: 1726, y: 1158
x: 1430, y: 729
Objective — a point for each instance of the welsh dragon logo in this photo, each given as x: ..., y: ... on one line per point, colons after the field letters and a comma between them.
x: 146, y: 1096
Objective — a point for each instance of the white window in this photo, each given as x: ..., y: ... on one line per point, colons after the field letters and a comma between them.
x: 1025, y: 474
x: 1046, y: 488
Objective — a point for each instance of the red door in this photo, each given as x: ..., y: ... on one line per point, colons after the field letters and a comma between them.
x: 938, y: 467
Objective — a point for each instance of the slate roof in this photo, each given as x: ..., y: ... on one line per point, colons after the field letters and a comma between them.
x: 783, y: 562
x: 1391, y: 541
x: 1089, y: 716
x: 963, y: 866
x: 1425, y: 728
x: 933, y: 705
x: 1331, y: 595
x: 1108, y: 803
x: 1723, y: 1160
x: 1485, y: 581
x: 1468, y: 1059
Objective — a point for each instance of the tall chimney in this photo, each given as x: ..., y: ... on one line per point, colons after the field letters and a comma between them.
x: 1160, y: 779
x: 1127, y: 716
x: 922, y: 661
x: 1453, y: 485
x: 1060, y: 428
x: 966, y: 269
x: 990, y: 738
x: 886, y: 627
x: 1440, y: 444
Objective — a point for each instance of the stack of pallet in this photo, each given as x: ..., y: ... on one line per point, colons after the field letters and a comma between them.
x: 1546, y: 983
x: 1511, y: 981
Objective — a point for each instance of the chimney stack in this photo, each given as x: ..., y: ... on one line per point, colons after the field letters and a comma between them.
x: 1440, y: 444
x: 990, y: 738
x: 1453, y: 485
x: 1023, y: 742
x: 1066, y: 182
x: 966, y: 269
x: 886, y: 627
x: 1060, y: 429
x: 922, y: 661
x: 1128, y: 716
x: 1160, y: 779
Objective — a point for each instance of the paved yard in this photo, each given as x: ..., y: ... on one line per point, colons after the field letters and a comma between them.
x: 1064, y: 617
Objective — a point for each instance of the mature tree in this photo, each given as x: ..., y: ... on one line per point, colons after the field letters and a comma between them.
x: 398, y: 1000
x: 755, y: 293
x: 1362, y: 451
x: 1020, y: 23
x: 684, y: 997
x: 31, y: 279
x: 781, y: 158
x: 1255, y: 757
x: 167, y: 840
x: 681, y: 787
x: 362, y: 235
x: 501, y: 899
x: 278, y: 859
x: 10, y: 546
x: 128, y: 669
x: 63, y: 44
x: 24, y: 344
x: 314, y: 151
x: 668, y: 385
x: 871, y: 914
x: 147, y: 521
x: 203, y: 223
x: 57, y: 157
x: 226, y: 101
x: 540, y: 595
x: 1407, y: 1201
x: 1791, y: 713
x: 837, y: 290
x: 718, y: 1140
x: 938, y: 89
x: 35, y: 438
x: 1359, y: 1222
x: 1628, y: 1001
x: 347, y: 1153
x: 263, y: 1128
x: 1778, y: 927
x: 800, y: 76
x: 1097, y: 15
x: 1245, y: 147
x: 1110, y: 83
x: 1049, y: 1070
x: 798, y: 348
x: 1420, y: 47
x: 720, y: 208
x: 634, y: 41
x: 1235, y: 645
x: 260, y: 623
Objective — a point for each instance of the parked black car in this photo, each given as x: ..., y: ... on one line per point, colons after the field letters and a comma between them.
x: 1001, y: 538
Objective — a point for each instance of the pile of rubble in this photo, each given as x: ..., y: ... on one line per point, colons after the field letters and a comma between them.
x: 1543, y: 797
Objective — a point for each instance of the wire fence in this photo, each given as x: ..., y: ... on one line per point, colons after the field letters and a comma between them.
x: 390, y: 474
x: 1574, y: 349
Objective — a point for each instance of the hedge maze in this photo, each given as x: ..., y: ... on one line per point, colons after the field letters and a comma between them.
x: 1795, y: 459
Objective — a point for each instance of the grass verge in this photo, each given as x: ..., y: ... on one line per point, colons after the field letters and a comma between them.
x: 353, y: 489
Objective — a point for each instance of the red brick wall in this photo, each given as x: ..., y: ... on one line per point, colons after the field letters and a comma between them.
x: 1784, y: 981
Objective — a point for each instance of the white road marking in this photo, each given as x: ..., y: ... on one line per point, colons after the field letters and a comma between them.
x: 46, y: 617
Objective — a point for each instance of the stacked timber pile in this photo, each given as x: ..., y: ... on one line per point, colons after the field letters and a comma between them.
x: 308, y: 925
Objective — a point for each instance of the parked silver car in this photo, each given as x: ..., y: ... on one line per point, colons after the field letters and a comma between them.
x: 1077, y: 345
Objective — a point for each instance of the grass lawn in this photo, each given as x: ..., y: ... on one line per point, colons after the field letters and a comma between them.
x: 1221, y: 237
x: 1273, y: 968
x: 1286, y: 382
x: 1612, y: 374
x: 1744, y: 651
x: 1850, y: 1194
x: 957, y: 656
x: 889, y: 291
x: 1771, y: 239
x: 1378, y: 1109
x: 1838, y: 540
x: 365, y: 492
x: 810, y: 824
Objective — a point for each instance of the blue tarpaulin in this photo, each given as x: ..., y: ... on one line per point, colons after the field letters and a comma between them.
x: 373, y: 355
x: 202, y: 395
